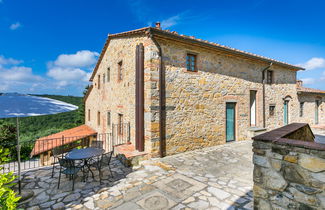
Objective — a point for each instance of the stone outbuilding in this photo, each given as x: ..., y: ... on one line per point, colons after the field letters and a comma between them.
x: 180, y: 93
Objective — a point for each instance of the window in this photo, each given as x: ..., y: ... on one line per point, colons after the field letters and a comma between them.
x: 272, y: 110
x: 191, y: 62
x: 301, y: 113
x: 269, y: 77
x: 104, y: 78
x: 120, y: 124
x: 98, y: 118
x: 108, y: 74
x: 88, y: 114
x: 109, y: 118
x: 120, y: 71
x: 98, y: 81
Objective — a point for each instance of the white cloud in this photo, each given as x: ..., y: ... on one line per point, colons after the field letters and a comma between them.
x: 72, y: 69
x: 67, y: 74
x: 18, y: 74
x: 9, y: 61
x: 313, y: 63
x: 308, y: 81
x: 83, y: 58
x: 15, y: 26
x: 169, y: 22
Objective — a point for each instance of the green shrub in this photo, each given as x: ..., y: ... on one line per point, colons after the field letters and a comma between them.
x: 8, y: 198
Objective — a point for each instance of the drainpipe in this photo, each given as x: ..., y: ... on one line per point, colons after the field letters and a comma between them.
x: 263, y: 82
x: 162, y: 111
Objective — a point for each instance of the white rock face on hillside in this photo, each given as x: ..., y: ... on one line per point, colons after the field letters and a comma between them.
x: 13, y: 105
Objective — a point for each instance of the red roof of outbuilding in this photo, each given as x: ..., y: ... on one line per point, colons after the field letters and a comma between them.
x: 49, y: 142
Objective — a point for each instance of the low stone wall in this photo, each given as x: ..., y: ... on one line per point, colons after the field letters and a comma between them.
x: 288, y: 173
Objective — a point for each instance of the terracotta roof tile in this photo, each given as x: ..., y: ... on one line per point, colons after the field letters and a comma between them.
x: 310, y: 90
x: 71, y: 135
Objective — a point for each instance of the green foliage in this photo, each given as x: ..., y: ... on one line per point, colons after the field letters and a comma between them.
x: 7, y: 134
x: 8, y: 198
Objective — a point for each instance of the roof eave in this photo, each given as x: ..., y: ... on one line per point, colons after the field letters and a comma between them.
x: 232, y: 51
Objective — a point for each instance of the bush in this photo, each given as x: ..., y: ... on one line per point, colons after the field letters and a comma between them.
x: 8, y: 198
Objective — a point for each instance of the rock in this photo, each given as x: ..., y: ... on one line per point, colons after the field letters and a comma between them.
x: 40, y: 198
x: 259, y: 192
x: 89, y: 204
x: 213, y: 201
x: 60, y: 195
x: 302, y: 197
x: 47, y: 204
x: 220, y: 194
x: 103, y: 204
x: 273, y: 180
x: 199, y: 205
x: 189, y: 200
x: 263, y: 204
x: 291, y: 158
x: 58, y: 206
x: 294, y: 174
x: 311, y: 163
x: 276, y: 164
x: 319, y: 176
x: 71, y: 197
x: 33, y: 208
x: 261, y: 161
x: 305, y: 189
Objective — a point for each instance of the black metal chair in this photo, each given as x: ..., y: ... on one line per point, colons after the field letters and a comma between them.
x: 108, y: 157
x: 98, y: 162
x: 68, y: 168
x: 57, y: 152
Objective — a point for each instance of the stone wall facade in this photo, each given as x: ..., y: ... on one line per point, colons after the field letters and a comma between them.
x: 195, y: 101
x: 309, y: 108
x: 288, y: 173
x: 118, y: 97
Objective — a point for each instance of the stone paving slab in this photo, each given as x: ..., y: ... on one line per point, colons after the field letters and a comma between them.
x: 218, y: 177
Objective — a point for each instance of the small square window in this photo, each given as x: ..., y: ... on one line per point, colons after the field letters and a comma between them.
x: 120, y: 124
x: 109, y: 119
x: 191, y: 62
x: 120, y: 71
x: 269, y: 77
x: 98, y: 118
x: 301, y: 113
x: 108, y: 74
x: 272, y: 110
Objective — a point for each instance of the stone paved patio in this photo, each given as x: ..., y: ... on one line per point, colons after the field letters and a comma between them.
x: 219, y: 177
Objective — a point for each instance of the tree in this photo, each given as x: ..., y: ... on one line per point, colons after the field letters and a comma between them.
x: 81, y: 110
x: 7, y: 134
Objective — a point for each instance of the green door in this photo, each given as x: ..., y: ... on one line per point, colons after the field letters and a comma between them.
x: 316, y: 111
x: 285, y: 112
x: 230, y: 121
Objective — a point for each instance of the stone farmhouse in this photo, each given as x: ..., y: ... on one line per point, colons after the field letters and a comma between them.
x: 181, y: 93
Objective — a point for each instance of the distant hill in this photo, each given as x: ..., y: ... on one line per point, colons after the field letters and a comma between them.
x: 35, y: 127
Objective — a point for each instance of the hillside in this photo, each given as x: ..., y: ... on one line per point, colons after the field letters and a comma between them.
x: 34, y: 127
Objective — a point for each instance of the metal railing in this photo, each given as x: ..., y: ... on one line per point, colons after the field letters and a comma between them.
x: 35, y: 154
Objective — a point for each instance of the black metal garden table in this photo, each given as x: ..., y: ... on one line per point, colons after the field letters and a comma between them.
x: 86, y: 155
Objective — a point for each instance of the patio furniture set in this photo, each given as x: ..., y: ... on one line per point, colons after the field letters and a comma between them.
x: 84, y: 159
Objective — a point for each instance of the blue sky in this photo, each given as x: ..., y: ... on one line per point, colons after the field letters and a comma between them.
x: 51, y: 46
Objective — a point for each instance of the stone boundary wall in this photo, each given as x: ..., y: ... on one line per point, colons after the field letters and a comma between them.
x: 288, y: 173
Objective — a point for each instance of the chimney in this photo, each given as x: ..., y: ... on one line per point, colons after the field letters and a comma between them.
x: 158, y: 25
x: 299, y: 83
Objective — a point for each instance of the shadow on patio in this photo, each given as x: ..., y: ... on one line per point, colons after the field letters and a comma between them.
x: 47, y: 194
